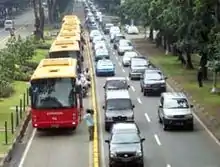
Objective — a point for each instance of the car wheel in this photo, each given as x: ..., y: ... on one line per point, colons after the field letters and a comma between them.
x: 145, y: 93
x: 191, y: 127
x: 165, y: 126
x: 141, y: 164
x: 159, y: 119
x: 107, y: 128
x: 109, y: 164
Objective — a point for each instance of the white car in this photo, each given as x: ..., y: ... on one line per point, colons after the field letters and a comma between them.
x: 94, y: 33
x: 132, y: 30
x: 124, y: 45
x: 126, y: 61
x: 114, y: 30
x: 100, y: 45
x: 97, y: 39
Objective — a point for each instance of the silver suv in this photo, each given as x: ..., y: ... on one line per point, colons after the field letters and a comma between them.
x: 175, y: 110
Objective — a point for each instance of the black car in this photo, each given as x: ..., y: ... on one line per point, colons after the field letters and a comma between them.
x: 126, y: 149
x: 116, y: 83
x: 153, y: 81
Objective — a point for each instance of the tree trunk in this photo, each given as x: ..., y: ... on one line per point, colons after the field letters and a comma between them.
x: 203, y: 63
x: 35, y: 10
x: 189, y: 64
x: 41, y: 13
x: 50, y: 18
x: 53, y: 10
x: 151, y: 35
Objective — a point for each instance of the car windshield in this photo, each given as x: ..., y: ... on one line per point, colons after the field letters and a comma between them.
x: 154, y: 76
x: 108, y: 26
x: 116, y: 84
x: 119, y: 104
x: 125, y: 43
x: 139, y: 63
x: 53, y: 93
x: 130, y: 54
x: 174, y: 103
x: 101, y: 52
x: 125, y: 138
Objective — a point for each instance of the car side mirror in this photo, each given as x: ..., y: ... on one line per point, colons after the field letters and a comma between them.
x: 143, y: 139
x: 103, y: 107
x: 191, y: 106
x: 160, y: 106
x: 107, y: 141
x: 133, y: 106
x: 104, y: 87
x: 129, y: 86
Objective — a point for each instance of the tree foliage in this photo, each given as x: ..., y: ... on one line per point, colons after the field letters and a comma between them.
x: 15, y: 63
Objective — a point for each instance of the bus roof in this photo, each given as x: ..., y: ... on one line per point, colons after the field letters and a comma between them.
x: 56, y: 68
x: 73, y: 32
x: 71, y: 28
x: 63, y: 36
x: 70, y: 23
x: 64, y: 45
x: 70, y: 17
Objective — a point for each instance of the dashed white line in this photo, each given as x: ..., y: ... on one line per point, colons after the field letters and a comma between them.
x: 133, y: 89
x: 127, y: 78
x: 119, y: 63
x: 157, y: 139
x: 147, y: 117
x: 123, y: 70
x: 116, y: 58
x: 168, y: 165
x: 139, y: 100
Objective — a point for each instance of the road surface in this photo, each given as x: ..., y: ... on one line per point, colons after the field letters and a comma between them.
x: 161, y: 149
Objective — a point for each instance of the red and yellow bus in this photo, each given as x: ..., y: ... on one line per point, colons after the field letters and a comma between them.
x: 54, y: 99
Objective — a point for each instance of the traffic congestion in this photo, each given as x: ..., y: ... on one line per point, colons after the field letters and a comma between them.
x: 125, y: 74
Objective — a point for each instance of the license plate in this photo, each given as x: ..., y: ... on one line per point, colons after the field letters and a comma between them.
x: 54, y: 126
x: 179, y: 123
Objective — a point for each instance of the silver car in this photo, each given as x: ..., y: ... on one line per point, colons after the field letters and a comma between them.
x: 137, y: 67
x: 175, y: 110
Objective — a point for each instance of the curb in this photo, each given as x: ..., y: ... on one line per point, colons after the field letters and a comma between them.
x: 19, y: 135
x: 96, y: 143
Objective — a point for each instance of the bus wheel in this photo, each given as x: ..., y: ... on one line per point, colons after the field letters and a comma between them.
x: 40, y: 129
x: 74, y: 128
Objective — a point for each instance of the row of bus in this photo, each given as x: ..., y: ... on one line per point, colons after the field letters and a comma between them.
x: 55, y: 101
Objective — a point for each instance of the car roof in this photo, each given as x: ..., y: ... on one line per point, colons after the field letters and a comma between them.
x: 124, y: 127
x: 105, y: 61
x: 117, y: 94
x: 115, y: 78
x: 171, y: 95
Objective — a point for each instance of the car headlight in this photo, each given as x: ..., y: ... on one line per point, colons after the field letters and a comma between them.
x: 130, y: 118
x: 163, y: 85
x: 168, y: 116
x: 188, y: 116
x: 112, y: 155
x: 139, y: 153
x: 147, y: 85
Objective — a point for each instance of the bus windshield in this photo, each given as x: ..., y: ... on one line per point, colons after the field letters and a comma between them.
x: 53, y: 93
x: 65, y: 54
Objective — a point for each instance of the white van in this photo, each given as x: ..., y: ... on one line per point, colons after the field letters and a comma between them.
x: 9, y: 24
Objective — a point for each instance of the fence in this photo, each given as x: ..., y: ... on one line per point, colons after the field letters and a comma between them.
x: 16, y: 117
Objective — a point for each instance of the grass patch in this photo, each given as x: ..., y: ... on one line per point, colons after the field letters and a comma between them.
x: 188, y: 80
x: 39, y: 55
x: 7, y: 104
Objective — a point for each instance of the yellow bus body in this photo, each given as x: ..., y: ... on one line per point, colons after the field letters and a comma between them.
x: 56, y: 68
x: 64, y: 45
x: 63, y: 36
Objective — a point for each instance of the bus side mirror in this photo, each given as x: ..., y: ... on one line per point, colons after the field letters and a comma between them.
x: 104, y: 87
x: 133, y: 106
x: 103, y: 107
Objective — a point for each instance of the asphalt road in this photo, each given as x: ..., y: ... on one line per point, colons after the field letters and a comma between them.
x: 27, y: 18
x: 161, y: 149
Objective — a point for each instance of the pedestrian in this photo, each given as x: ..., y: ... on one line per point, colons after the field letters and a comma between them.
x: 200, y: 77
x: 88, y: 117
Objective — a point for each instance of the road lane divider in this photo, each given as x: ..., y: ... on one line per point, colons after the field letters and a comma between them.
x: 95, y: 151
x: 139, y: 100
x: 132, y: 88
x: 123, y: 70
x: 127, y: 78
x: 168, y: 165
x: 157, y: 140
x: 147, y: 117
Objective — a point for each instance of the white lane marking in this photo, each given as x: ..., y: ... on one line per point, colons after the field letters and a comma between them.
x: 139, y: 100
x: 127, y: 78
x: 116, y: 58
x: 123, y: 70
x: 157, y: 139
x: 113, y: 53
x: 201, y: 123
x: 90, y: 154
x: 133, y: 89
x: 147, y: 117
x: 168, y: 165
x: 119, y: 63
x: 25, y: 153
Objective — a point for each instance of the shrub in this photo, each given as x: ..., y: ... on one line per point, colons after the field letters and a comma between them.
x: 6, y: 89
x: 31, y: 64
x: 43, y: 46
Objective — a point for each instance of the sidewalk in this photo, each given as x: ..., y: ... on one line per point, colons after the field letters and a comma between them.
x: 207, y: 105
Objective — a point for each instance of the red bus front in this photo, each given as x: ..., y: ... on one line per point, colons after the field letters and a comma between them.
x: 54, y: 103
